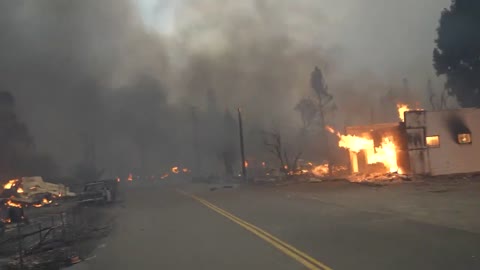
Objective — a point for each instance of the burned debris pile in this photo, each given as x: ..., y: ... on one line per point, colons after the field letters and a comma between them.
x: 46, y: 226
x: 378, y: 177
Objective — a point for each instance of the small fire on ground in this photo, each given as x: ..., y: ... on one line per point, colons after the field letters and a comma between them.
x: 11, y: 203
x: 44, y: 202
x: 11, y: 183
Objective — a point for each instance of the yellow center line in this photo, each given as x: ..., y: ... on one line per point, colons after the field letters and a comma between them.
x: 289, y: 250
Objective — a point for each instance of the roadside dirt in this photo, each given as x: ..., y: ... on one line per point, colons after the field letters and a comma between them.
x: 446, y: 201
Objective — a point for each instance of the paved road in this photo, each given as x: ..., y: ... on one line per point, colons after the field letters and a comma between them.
x: 165, y: 227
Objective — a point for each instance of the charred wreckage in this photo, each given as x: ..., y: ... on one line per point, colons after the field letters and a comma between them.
x: 423, y: 143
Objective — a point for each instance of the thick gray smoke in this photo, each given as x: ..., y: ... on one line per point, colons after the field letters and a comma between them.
x: 88, y: 80
x: 96, y: 85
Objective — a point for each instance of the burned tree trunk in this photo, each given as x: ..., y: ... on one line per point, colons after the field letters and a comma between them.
x: 274, y: 144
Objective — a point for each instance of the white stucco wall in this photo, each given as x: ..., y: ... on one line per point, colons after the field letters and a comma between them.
x: 452, y: 157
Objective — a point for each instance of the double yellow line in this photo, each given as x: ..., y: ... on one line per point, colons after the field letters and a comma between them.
x: 289, y: 250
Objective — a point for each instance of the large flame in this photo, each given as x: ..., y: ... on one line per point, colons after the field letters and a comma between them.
x: 354, y: 143
x: 386, y: 153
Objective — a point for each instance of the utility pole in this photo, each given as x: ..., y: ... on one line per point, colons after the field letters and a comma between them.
x: 242, y: 148
x: 196, y: 143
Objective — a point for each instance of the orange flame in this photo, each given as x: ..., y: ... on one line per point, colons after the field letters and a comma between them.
x: 20, y: 190
x: 386, y: 153
x: 246, y: 164
x: 13, y: 204
x: 130, y: 177
x: 402, y: 108
x: 164, y: 176
x: 46, y: 201
x: 10, y: 184
x: 320, y: 170
x: 330, y: 129
x: 175, y: 170
x: 185, y: 170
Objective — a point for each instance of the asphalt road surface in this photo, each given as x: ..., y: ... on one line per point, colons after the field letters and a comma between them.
x: 192, y: 227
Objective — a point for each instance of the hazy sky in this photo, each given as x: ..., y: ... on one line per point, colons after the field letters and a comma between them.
x: 390, y: 38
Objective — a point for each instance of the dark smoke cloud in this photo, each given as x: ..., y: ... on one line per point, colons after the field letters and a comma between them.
x: 92, y: 71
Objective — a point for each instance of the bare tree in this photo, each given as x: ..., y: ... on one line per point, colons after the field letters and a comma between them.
x: 275, y: 145
x: 325, y: 105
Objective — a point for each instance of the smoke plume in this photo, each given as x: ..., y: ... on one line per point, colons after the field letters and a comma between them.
x: 98, y: 86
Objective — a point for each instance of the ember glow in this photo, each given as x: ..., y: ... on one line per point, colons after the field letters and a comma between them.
x: 164, y: 176
x: 320, y: 170
x: 20, y: 190
x: 130, y: 177
x: 7, y: 220
x: 46, y: 201
x: 246, y: 164
x: 386, y: 153
x: 185, y: 170
x: 13, y: 204
x: 175, y: 170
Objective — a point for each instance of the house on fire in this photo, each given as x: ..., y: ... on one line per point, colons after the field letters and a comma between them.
x: 426, y: 142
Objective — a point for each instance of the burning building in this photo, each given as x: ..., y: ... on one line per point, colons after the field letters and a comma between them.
x: 443, y: 142
x: 423, y: 142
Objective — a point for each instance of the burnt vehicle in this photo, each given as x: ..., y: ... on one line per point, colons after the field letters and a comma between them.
x: 104, y: 191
